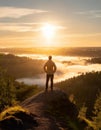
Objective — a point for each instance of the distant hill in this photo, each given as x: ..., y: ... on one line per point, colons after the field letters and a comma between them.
x: 70, y: 51
x: 19, y: 67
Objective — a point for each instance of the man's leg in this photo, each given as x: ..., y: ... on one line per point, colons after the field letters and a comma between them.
x: 47, y: 80
x: 52, y: 77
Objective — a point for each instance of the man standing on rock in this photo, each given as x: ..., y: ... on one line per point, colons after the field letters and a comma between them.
x: 50, y: 69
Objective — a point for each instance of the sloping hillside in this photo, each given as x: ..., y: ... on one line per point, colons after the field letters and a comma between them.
x: 44, y: 111
x: 84, y: 89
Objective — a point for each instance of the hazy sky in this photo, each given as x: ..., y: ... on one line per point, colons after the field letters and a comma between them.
x: 76, y: 22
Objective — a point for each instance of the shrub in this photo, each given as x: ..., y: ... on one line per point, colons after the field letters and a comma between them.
x: 7, y: 96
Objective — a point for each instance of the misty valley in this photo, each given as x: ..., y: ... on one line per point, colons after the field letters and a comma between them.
x: 28, y: 67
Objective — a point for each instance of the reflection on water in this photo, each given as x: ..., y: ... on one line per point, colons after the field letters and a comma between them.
x: 67, y: 67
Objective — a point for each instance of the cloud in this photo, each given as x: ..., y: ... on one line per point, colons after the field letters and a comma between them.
x: 13, y: 12
x: 91, y: 13
x: 19, y: 27
x: 83, y: 35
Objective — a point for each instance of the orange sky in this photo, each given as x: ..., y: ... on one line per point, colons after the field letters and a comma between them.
x: 77, y: 23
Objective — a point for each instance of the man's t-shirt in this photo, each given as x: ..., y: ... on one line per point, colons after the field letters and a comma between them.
x: 50, y: 67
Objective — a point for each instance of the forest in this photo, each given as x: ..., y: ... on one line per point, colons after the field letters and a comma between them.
x: 85, y: 92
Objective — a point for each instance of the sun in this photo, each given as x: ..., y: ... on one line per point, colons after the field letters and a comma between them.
x: 48, y: 30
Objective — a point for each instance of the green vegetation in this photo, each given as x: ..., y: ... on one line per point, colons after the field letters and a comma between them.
x: 85, y: 91
x: 7, y: 90
x: 12, y: 92
x: 97, y: 112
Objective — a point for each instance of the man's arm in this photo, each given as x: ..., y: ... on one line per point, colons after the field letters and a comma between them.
x: 55, y: 68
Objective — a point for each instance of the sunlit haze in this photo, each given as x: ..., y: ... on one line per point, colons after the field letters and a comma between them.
x: 48, y: 31
x: 60, y: 23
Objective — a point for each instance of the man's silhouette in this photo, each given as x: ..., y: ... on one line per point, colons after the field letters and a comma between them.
x: 50, y: 69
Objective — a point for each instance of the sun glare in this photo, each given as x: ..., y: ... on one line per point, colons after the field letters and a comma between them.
x: 48, y: 30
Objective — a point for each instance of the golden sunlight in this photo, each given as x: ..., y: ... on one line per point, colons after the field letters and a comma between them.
x: 48, y: 30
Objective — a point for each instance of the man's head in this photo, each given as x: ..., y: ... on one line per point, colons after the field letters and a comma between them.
x: 50, y: 57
